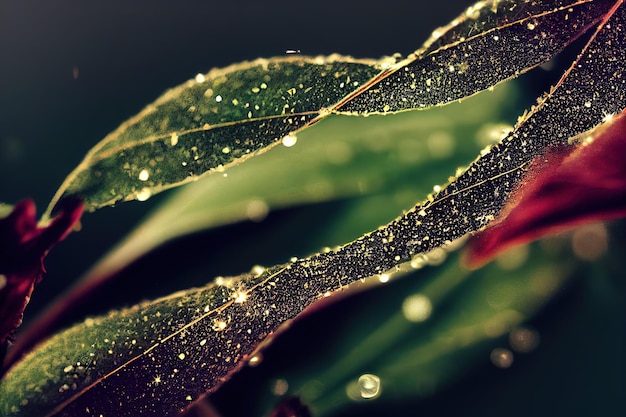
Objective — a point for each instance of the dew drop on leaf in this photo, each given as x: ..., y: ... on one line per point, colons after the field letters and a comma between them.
x: 144, y: 194
x: 144, y: 175
x: 290, y: 140
x: 256, y: 359
x: 369, y: 385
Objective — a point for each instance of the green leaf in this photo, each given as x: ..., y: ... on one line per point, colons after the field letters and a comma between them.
x: 332, y: 160
x: 211, y: 122
x: 227, y: 115
x: 245, y: 311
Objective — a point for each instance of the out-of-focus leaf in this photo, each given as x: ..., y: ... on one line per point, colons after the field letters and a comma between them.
x: 416, y: 342
x: 173, y: 348
x: 23, y: 246
x: 211, y: 122
x: 333, y: 159
x: 562, y: 190
x: 177, y: 348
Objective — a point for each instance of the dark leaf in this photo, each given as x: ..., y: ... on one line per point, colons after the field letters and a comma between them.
x: 489, y: 43
x: 185, y: 345
x: 210, y: 123
x: 332, y: 160
x: 562, y: 189
x: 23, y: 246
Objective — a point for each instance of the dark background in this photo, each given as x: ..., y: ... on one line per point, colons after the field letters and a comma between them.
x: 72, y: 71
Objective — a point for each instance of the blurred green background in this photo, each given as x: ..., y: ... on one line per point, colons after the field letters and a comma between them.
x: 72, y: 71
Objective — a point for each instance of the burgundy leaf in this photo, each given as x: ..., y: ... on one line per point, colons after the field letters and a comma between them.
x: 564, y: 188
x: 23, y: 246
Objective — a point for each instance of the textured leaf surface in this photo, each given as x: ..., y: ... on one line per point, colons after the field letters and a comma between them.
x: 489, y: 43
x: 227, y: 115
x: 562, y: 190
x: 332, y: 160
x: 177, y: 348
x: 210, y: 122
x: 415, y: 342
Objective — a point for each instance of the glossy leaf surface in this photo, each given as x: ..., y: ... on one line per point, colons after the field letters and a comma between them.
x: 593, y: 87
x: 211, y: 122
x: 332, y: 160
x: 563, y: 190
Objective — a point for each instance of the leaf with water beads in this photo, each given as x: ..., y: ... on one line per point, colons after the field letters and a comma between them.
x: 489, y: 43
x: 453, y: 212
x: 211, y: 122
x: 333, y: 160
x: 568, y: 188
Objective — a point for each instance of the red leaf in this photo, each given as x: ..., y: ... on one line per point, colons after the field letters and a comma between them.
x: 564, y: 188
x: 23, y: 246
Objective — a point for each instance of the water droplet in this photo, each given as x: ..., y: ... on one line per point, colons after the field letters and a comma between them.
x: 257, y: 270
x: 225, y: 149
x: 144, y: 194
x: 523, y: 339
x: 68, y: 368
x: 181, y: 356
x: 218, y: 98
x: 607, y: 117
x: 369, y: 386
x: 384, y: 278
x: 587, y: 104
x: 189, y: 398
x: 386, y: 108
x: 280, y: 387
x: 473, y: 12
x: 255, y: 89
x: 418, y: 261
x: 240, y: 296
x: 436, y: 256
x: 144, y: 175
x: 530, y: 26
x: 220, y: 324
x: 256, y: 360
x: 200, y: 78
x: 417, y: 308
x: 174, y: 139
x: 492, y: 133
x: 290, y: 140
x: 502, y: 358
